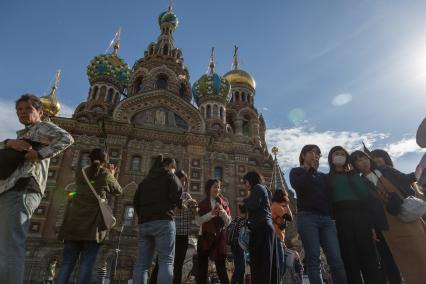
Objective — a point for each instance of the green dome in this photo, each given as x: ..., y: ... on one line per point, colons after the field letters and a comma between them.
x: 168, y: 17
x: 109, y: 65
x: 211, y: 85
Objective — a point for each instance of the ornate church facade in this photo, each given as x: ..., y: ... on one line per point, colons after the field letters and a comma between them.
x: 212, y: 129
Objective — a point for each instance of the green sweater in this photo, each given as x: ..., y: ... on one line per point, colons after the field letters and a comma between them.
x: 348, y: 187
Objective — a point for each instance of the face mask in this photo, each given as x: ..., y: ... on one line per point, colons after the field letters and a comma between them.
x: 339, y: 160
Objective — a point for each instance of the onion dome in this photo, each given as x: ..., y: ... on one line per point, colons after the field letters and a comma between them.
x: 238, y: 76
x: 109, y: 65
x: 168, y: 17
x: 51, y: 105
x: 211, y: 85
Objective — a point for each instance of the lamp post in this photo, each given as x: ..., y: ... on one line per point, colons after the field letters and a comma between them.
x: 117, y: 250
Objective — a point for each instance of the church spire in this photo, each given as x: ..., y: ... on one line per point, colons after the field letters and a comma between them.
x: 211, y: 65
x: 235, y: 62
x: 116, y: 42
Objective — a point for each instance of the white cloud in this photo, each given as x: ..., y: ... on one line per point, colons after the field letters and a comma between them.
x: 265, y: 109
x: 341, y: 99
x: 10, y: 123
x: 402, y: 147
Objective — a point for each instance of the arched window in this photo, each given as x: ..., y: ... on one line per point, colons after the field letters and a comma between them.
x: 138, y: 86
x: 90, y: 94
x: 203, y: 111
x: 102, y: 92
x: 84, y: 159
x: 117, y: 97
x: 129, y: 215
x: 243, y: 97
x: 110, y: 93
x: 95, y: 92
x: 215, y: 111
x: 209, y: 111
x: 136, y: 163
x: 166, y: 49
x: 161, y: 83
x: 182, y: 90
x: 237, y: 96
x: 218, y: 173
x: 221, y: 113
x: 246, y: 126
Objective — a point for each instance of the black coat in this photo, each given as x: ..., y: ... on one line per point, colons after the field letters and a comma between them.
x: 157, y: 196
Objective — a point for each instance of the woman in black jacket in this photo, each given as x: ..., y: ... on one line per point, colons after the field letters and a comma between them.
x: 155, y: 200
x: 264, y: 263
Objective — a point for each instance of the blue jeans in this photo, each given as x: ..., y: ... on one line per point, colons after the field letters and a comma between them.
x: 87, y: 251
x: 315, y: 231
x: 156, y: 236
x: 16, y: 208
x: 239, y: 263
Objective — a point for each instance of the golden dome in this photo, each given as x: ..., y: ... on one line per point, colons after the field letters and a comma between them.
x: 238, y: 76
x: 51, y: 106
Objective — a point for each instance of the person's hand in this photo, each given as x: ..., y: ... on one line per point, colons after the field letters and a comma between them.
x: 31, y: 155
x: 215, y: 211
x: 374, y: 234
x: 111, y: 168
x: 18, y: 145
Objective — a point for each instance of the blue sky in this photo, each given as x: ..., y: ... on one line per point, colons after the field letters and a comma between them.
x: 303, y: 55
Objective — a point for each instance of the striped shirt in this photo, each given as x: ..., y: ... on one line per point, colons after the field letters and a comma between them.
x: 101, y: 272
x: 48, y: 133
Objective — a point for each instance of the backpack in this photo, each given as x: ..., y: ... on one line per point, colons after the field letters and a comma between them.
x: 232, y: 229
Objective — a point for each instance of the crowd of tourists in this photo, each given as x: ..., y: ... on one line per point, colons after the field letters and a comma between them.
x: 364, y: 215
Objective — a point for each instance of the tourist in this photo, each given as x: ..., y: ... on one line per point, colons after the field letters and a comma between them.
x: 264, y: 264
x: 281, y: 214
x: 21, y: 192
x: 155, y: 200
x: 353, y: 220
x: 315, y: 225
x: 405, y: 240
x: 83, y: 229
x: 214, y: 216
x: 238, y: 253
x: 183, y: 220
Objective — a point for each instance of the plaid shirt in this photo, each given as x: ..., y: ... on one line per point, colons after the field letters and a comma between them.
x: 183, y: 220
x: 48, y: 133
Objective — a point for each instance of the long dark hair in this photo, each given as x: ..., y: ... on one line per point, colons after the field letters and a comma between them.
x: 209, y: 184
x: 253, y: 178
x: 379, y: 153
x: 305, y: 150
x: 358, y: 155
x: 330, y: 158
x: 280, y: 196
x: 98, y: 157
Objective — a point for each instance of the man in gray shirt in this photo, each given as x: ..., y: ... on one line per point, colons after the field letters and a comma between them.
x: 21, y: 192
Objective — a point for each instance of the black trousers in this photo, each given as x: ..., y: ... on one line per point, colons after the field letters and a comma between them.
x: 203, y: 265
x: 389, y: 270
x: 263, y: 250
x: 181, y: 246
x: 357, y: 246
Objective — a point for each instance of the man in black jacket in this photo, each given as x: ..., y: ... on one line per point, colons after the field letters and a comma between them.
x: 155, y: 200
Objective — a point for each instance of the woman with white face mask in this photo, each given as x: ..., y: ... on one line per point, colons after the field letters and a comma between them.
x: 353, y: 220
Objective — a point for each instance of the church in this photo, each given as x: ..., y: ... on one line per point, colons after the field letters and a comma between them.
x: 211, y: 128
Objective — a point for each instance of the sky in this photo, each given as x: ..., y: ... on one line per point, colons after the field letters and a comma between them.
x: 327, y: 72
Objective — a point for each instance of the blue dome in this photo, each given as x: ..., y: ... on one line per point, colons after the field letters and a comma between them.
x: 211, y: 85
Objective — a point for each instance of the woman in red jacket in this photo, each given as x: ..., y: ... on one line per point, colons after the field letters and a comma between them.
x: 214, y: 216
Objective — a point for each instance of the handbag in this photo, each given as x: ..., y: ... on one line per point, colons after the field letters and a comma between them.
x: 412, y: 209
x: 106, y: 211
